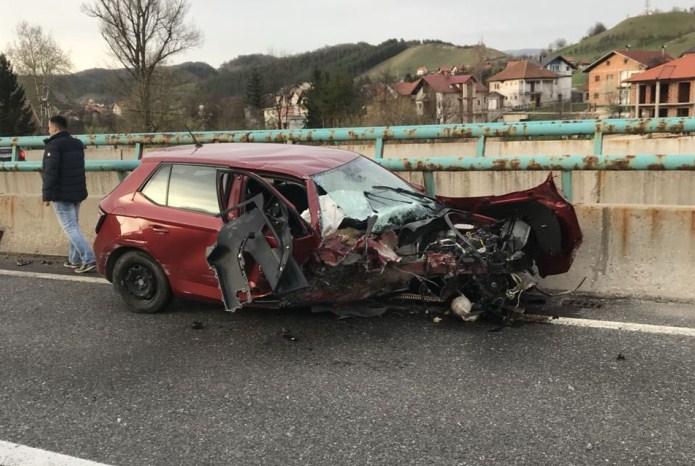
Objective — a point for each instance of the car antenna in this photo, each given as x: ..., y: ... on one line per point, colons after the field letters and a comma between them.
x: 197, y: 143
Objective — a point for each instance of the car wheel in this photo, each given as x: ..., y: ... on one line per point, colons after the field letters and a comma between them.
x: 141, y: 282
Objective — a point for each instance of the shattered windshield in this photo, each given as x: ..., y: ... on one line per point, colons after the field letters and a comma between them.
x: 362, y: 189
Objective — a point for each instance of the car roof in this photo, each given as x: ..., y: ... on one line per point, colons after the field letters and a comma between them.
x: 296, y: 160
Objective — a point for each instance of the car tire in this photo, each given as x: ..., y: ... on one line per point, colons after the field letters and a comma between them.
x: 141, y: 282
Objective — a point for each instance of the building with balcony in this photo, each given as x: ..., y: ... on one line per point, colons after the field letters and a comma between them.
x: 525, y: 84
x: 667, y: 90
x: 609, y: 76
x: 447, y: 98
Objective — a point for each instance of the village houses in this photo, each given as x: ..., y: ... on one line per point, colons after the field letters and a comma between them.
x: 667, y: 90
x: 525, y: 84
x: 564, y: 68
x: 447, y: 97
x: 289, y: 108
x: 609, y: 76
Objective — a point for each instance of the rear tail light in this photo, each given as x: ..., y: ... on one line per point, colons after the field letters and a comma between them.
x: 22, y: 155
x: 100, y: 222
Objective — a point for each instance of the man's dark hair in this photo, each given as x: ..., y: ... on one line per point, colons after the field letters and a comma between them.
x: 59, y: 121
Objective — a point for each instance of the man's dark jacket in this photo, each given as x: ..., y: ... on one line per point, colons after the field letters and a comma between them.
x: 63, y: 169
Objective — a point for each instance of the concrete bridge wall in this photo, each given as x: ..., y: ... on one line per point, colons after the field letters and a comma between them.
x: 639, y: 226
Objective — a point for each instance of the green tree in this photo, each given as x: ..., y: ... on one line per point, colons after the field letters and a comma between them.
x: 333, y: 101
x: 16, y: 118
x: 254, y: 90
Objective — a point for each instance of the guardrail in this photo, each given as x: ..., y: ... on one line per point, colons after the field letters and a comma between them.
x: 595, y: 129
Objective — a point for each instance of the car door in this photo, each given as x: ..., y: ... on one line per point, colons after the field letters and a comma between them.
x: 183, y: 224
x: 257, y: 249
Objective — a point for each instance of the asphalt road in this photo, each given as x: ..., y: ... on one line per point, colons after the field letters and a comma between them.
x: 81, y: 375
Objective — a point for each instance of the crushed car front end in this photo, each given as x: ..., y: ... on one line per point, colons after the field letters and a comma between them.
x: 382, y: 238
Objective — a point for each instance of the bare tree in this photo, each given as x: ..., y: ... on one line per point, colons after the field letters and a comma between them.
x: 36, y: 55
x: 142, y: 35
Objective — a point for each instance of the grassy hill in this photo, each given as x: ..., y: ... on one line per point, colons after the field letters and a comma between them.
x: 431, y: 55
x: 675, y: 30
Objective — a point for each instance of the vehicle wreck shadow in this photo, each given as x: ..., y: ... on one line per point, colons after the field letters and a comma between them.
x: 307, y: 324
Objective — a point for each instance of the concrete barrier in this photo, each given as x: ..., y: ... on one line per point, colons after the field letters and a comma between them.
x: 629, y: 250
x: 634, y: 251
x: 31, y: 228
x: 639, y: 227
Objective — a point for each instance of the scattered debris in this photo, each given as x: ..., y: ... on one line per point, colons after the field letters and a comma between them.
x: 197, y: 325
x: 620, y: 357
x: 23, y: 262
x: 437, y: 320
x: 585, y: 303
x: 287, y: 335
x: 46, y: 262
x: 462, y: 307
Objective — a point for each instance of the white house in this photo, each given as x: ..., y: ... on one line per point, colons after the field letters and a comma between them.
x: 525, y: 84
x: 565, y: 70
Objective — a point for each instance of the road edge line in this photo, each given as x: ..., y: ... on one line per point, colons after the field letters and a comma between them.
x: 613, y: 325
x: 14, y: 454
x: 52, y: 276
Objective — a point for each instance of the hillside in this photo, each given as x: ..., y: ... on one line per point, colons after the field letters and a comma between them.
x: 675, y: 30
x: 431, y: 55
x: 107, y: 85
x: 351, y: 59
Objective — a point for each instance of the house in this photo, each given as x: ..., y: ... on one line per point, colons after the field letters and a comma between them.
x: 564, y: 68
x: 422, y: 71
x: 525, y: 84
x: 667, y: 90
x: 608, y: 77
x: 289, y: 108
x: 447, y: 98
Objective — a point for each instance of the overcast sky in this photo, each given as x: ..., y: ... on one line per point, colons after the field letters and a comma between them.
x: 234, y: 27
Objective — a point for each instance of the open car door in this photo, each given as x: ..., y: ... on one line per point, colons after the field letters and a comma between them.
x: 256, y: 241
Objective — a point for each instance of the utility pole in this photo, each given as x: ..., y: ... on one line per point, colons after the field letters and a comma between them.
x: 648, y: 7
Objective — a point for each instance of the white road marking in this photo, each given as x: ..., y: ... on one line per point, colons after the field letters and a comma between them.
x: 611, y: 325
x: 53, y: 276
x: 13, y: 454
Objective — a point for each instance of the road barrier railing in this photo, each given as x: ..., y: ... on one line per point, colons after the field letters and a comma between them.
x: 565, y: 163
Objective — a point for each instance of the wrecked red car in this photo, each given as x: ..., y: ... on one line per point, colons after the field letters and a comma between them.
x: 275, y: 225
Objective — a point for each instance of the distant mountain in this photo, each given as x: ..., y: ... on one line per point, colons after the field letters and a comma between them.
x: 433, y: 55
x: 675, y: 30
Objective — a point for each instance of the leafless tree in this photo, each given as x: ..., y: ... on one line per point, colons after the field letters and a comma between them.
x: 36, y: 55
x: 142, y: 35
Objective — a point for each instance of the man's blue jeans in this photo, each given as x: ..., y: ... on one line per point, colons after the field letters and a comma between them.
x: 79, y: 252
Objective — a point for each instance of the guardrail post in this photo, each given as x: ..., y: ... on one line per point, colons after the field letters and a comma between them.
x: 430, y: 183
x: 598, y: 144
x: 567, y: 184
x: 480, y: 147
x: 379, y: 148
x: 138, y: 151
x: 15, y: 153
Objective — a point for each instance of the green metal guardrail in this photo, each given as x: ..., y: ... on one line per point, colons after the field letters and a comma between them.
x: 381, y: 135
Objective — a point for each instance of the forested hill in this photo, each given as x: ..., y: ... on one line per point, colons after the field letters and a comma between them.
x: 350, y: 59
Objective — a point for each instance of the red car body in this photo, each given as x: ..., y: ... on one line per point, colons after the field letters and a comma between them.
x: 180, y: 240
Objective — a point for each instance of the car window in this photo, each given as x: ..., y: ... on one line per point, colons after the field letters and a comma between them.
x: 194, y: 188
x: 156, y: 188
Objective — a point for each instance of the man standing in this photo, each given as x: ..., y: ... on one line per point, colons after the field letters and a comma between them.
x: 65, y: 186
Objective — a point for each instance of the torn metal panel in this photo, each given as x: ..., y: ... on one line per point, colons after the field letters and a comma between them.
x: 242, y: 243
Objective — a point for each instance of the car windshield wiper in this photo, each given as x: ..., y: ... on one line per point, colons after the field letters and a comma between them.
x: 407, y: 192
